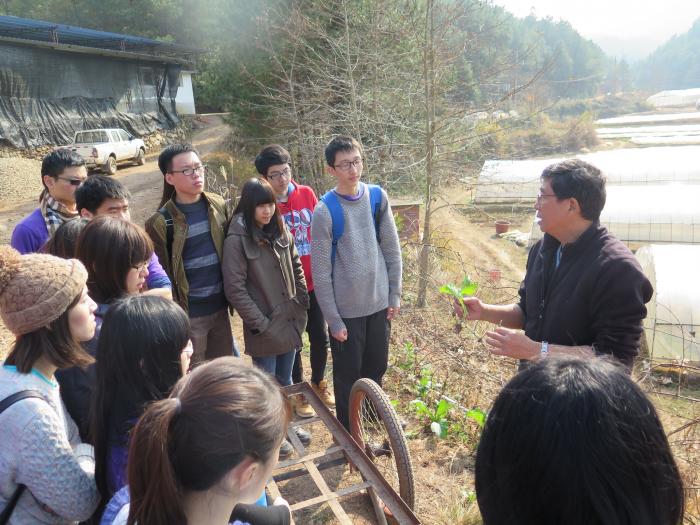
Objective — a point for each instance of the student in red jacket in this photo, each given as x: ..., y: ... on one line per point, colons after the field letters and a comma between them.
x: 296, y: 203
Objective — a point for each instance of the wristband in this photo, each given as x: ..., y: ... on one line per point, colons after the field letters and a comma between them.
x: 544, y: 349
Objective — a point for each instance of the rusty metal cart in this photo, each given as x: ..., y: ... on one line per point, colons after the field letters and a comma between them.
x: 377, y: 449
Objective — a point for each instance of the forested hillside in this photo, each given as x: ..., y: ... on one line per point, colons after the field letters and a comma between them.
x: 675, y: 65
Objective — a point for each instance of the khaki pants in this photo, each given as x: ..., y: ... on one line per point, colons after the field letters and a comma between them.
x: 211, y: 337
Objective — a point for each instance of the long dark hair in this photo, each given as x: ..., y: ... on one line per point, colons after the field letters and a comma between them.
x: 576, y: 441
x: 138, y: 361
x: 54, y: 341
x: 219, y: 414
x: 255, y: 192
x: 109, y: 248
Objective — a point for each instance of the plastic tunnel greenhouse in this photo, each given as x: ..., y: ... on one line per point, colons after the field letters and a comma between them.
x: 673, y: 314
x: 654, y: 214
x: 509, y: 181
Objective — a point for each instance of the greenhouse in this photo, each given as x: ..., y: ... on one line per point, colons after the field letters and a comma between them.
x: 509, y: 181
x: 675, y: 98
x: 654, y: 214
x: 673, y: 314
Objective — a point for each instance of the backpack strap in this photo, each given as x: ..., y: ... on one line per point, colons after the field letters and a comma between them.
x: 169, y: 235
x: 375, y: 203
x: 330, y: 199
x: 4, y: 405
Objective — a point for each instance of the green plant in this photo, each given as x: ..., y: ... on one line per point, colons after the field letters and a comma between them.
x: 408, y: 362
x: 439, y: 424
x: 477, y: 415
x: 467, y: 289
x: 425, y: 383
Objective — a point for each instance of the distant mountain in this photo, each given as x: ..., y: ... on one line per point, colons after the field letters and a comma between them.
x: 674, y: 65
x: 630, y: 49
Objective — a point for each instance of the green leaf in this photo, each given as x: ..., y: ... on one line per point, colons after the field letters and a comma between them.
x: 442, y: 409
x: 444, y: 426
x: 450, y: 289
x: 477, y: 415
x: 419, y: 407
x: 468, y: 287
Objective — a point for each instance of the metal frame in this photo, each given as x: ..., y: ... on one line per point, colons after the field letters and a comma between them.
x: 345, y: 450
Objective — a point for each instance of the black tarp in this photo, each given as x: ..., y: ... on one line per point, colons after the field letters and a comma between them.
x: 47, y: 95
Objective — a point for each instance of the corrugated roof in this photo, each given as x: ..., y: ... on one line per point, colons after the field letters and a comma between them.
x: 49, y: 32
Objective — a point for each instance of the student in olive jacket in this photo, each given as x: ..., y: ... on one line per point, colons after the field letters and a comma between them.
x: 264, y: 281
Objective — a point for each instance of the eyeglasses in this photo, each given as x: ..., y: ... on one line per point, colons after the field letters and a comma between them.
x: 189, y: 172
x: 541, y: 195
x: 345, y: 165
x: 141, y: 267
x: 72, y: 182
x: 286, y: 173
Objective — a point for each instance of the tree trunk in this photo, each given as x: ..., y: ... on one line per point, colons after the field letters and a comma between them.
x: 429, y: 86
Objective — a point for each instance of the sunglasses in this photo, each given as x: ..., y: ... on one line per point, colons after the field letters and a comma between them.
x: 72, y: 182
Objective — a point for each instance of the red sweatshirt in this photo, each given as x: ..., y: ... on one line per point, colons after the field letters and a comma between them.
x: 297, y: 213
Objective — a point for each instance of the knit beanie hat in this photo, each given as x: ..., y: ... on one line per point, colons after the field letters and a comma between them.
x: 36, y: 289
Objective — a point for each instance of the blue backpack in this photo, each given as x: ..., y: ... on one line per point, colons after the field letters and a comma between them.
x: 330, y: 199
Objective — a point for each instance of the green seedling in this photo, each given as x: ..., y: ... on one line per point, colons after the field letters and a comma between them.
x: 425, y: 383
x: 477, y: 415
x: 467, y: 289
x: 439, y: 424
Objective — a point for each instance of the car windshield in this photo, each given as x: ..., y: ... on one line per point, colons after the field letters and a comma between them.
x: 90, y: 137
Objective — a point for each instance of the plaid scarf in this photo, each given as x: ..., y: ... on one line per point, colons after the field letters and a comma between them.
x: 54, y: 212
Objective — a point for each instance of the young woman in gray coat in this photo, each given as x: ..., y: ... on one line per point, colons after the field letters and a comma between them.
x: 264, y: 281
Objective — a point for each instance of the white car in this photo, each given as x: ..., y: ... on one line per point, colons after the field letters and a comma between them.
x: 104, y: 148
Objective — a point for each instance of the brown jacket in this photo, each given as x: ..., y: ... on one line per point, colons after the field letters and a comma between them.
x: 173, y: 263
x: 266, y: 285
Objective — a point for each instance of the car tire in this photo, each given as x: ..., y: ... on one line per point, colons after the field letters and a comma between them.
x: 110, y: 167
x: 140, y: 158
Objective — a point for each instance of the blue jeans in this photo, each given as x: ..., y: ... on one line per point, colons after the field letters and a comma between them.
x: 279, y: 366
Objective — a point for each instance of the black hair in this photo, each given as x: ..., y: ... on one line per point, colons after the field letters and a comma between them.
x: 254, y: 193
x: 57, y: 161
x: 109, y: 248
x: 340, y: 143
x: 165, y: 164
x: 575, y: 178
x: 576, y: 441
x: 98, y: 188
x: 272, y: 155
x: 63, y: 242
x: 138, y: 361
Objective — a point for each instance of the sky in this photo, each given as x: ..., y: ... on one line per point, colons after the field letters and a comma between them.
x: 629, y: 29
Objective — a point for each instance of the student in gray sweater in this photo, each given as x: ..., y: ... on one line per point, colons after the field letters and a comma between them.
x: 359, y: 288
x: 44, y: 468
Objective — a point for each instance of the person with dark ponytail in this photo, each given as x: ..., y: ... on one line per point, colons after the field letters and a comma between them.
x: 575, y: 441
x: 144, y: 349
x: 210, y: 446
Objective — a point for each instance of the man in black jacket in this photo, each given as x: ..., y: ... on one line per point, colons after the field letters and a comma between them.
x: 584, y: 292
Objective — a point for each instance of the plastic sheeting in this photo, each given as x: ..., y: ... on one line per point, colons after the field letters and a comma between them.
x: 675, y: 97
x: 519, y: 180
x: 673, y: 314
x: 639, y: 215
x: 48, y: 95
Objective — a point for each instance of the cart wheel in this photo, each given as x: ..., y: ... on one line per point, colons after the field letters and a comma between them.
x: 376, y: 429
